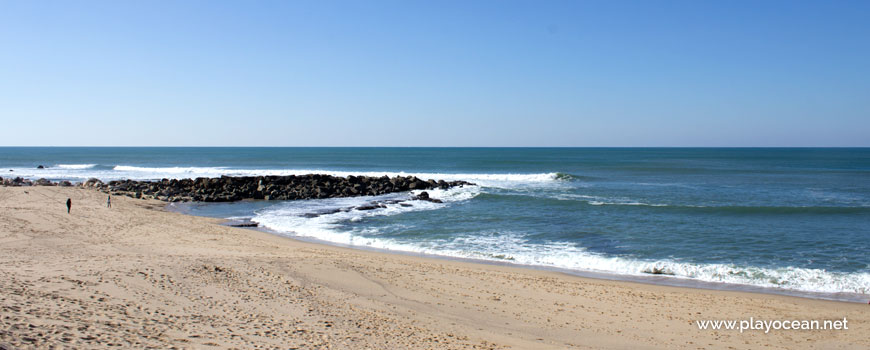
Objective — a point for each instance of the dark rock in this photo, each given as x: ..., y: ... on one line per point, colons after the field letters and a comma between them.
x: 424, y: 196
x: 40, y: 167
x: 658, y: 271
x: 92, y: 182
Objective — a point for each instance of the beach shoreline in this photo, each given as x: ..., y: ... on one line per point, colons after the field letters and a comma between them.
x: 657, y: 280
x: 137, y: 275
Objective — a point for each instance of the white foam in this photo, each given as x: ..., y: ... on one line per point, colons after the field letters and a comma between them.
x: 168, y: 170
x: 289, y: 217
x: 597, y: 200
x: 85, y: 171
x: 515, y: 248
x: 627, y: 203
x: 494, y: 180
x: 76, y: 166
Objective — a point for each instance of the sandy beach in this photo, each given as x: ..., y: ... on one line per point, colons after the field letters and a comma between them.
x: 138, y: 276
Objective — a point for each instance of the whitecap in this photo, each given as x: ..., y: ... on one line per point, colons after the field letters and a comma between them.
x: 76, y: 166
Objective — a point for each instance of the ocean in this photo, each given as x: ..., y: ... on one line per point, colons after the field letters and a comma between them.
x: 791, y: 220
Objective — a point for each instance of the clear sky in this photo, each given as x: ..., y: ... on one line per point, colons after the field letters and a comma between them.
x: 435, y: 73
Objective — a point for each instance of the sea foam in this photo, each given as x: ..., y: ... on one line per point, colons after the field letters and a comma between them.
x: 487, y: 180
x: 76, y: 166
x: 507, y: 246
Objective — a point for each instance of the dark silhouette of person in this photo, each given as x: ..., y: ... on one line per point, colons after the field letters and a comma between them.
x: 68, y: 205
x: 109, y: 201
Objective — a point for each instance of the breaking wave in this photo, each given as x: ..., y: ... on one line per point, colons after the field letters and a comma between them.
x: 294, y: 219
x: 76, y: 166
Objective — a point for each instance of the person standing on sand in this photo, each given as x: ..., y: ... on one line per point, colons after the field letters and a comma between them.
x: 109, y: 201
x: 68, y: 205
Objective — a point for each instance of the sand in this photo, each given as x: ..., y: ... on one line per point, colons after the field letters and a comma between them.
x: 137, y: 276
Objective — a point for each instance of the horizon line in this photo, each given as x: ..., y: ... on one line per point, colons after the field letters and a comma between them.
x: 721, y: 147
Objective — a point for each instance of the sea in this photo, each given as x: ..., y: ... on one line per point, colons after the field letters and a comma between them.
x: 780, y: 220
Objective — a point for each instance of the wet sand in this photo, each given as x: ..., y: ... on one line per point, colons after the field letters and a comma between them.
x: 137, y: 276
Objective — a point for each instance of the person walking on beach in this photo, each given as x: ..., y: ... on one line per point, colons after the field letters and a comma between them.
x: 109, y: 201
x: 68, y: 205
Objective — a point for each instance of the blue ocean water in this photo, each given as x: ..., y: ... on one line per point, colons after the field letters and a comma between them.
x: 792, y: 218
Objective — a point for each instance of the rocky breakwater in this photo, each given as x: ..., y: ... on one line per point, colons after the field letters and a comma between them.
x: 19, y: 182
x: 229, y: 189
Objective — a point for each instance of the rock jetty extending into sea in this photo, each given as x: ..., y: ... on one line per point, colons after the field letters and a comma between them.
x: 229, y: 189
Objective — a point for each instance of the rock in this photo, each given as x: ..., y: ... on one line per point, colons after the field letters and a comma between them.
x: 40, y: 167
x: 43, y: 182
x: 64, y: 183
x: 424, y: 196
x: 92, y: 182
x: 658, y: 271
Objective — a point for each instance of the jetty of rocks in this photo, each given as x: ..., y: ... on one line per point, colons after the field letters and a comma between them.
x: 229, y: 189
x: 19, y: 181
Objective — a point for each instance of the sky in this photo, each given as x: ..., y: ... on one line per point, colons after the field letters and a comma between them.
x: 435, y: 73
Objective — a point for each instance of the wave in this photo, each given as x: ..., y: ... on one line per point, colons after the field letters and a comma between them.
x: 132, y: 172
x: 487, y: 180
x: 172, y: 170
x: 81, y: 172
x: 76, y: 166
x: 515, y: 248
x: 632, y: 203
x: 716, y: 209
x: 321, y: 218
x: 599, y: 200
x: 290, y: 219
x: 568, y: 177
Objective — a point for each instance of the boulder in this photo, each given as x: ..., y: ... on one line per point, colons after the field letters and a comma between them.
x: 40, y: 167
x: 424, y: 196
x: 92, y: 182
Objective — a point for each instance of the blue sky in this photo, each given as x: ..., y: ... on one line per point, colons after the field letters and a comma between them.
x: 435, y: 73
